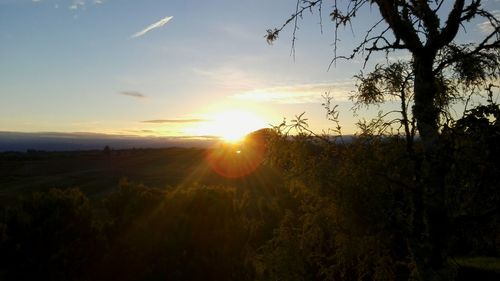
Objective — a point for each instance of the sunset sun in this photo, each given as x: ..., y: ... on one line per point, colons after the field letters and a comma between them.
x: 231, y: 126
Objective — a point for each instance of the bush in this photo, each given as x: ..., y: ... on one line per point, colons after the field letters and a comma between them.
x: 50, y: 236
x: 190, y: 233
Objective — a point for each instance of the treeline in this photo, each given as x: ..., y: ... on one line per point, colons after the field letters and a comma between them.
x: 340, y: 212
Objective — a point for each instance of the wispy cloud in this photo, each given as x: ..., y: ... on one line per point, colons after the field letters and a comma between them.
x: 170, y: 121
x: 228, y: 77
x: 486, y: 26
x: 298, y: 94
x: 77, y: 4
x: 133, y: 94
x: 155, y: 25
x: 80, y: 4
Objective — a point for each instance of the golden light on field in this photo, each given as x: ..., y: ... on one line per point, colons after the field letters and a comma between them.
x: 230, y: 126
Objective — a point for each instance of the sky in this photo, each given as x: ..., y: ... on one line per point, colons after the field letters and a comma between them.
x: 170, y: 68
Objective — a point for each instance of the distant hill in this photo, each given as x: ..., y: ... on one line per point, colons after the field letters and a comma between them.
x: 54, y: 141
x: 48, y: 141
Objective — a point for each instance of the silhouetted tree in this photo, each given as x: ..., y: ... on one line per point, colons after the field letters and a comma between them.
x: 107, y: 150
x: 441, y: 69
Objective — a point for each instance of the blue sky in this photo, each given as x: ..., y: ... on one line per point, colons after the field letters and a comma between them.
x: 75, y: 66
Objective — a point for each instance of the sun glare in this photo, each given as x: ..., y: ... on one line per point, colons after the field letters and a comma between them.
x: 231, y: 126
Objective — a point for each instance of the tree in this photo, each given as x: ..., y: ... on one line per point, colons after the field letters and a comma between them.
x: 416, y: 27
x: 441, y: 69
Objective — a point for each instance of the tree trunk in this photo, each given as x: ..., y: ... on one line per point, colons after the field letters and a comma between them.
x: 424, y: 110
x: 429, y: 219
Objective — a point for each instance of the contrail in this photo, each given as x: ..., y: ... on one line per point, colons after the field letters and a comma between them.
x: 157, y: 24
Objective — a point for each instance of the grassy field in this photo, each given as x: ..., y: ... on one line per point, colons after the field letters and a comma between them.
x: 97, y: 173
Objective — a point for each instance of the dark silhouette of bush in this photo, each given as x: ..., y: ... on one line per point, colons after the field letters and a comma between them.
x: 472, y: 181
x: 351, y: 221
x: 340, y: 211
x: 49, y: 236
x: 191, y: 233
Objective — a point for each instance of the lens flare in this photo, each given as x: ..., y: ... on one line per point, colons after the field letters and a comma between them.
x: 237, y: 160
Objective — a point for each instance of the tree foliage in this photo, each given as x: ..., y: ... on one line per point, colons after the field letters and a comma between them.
x: 441, y: 71
x: 427, y: 30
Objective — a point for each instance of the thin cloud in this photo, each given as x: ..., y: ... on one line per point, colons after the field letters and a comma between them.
x: 77, y: 4
x: 228, y: 77
x: 133, y: 94
x: 170, y: 121
x: 155, y: 25
x: 486, y: 26
x: 298, y: 94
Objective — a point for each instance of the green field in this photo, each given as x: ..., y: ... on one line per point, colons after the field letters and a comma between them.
x: 98, y: 173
